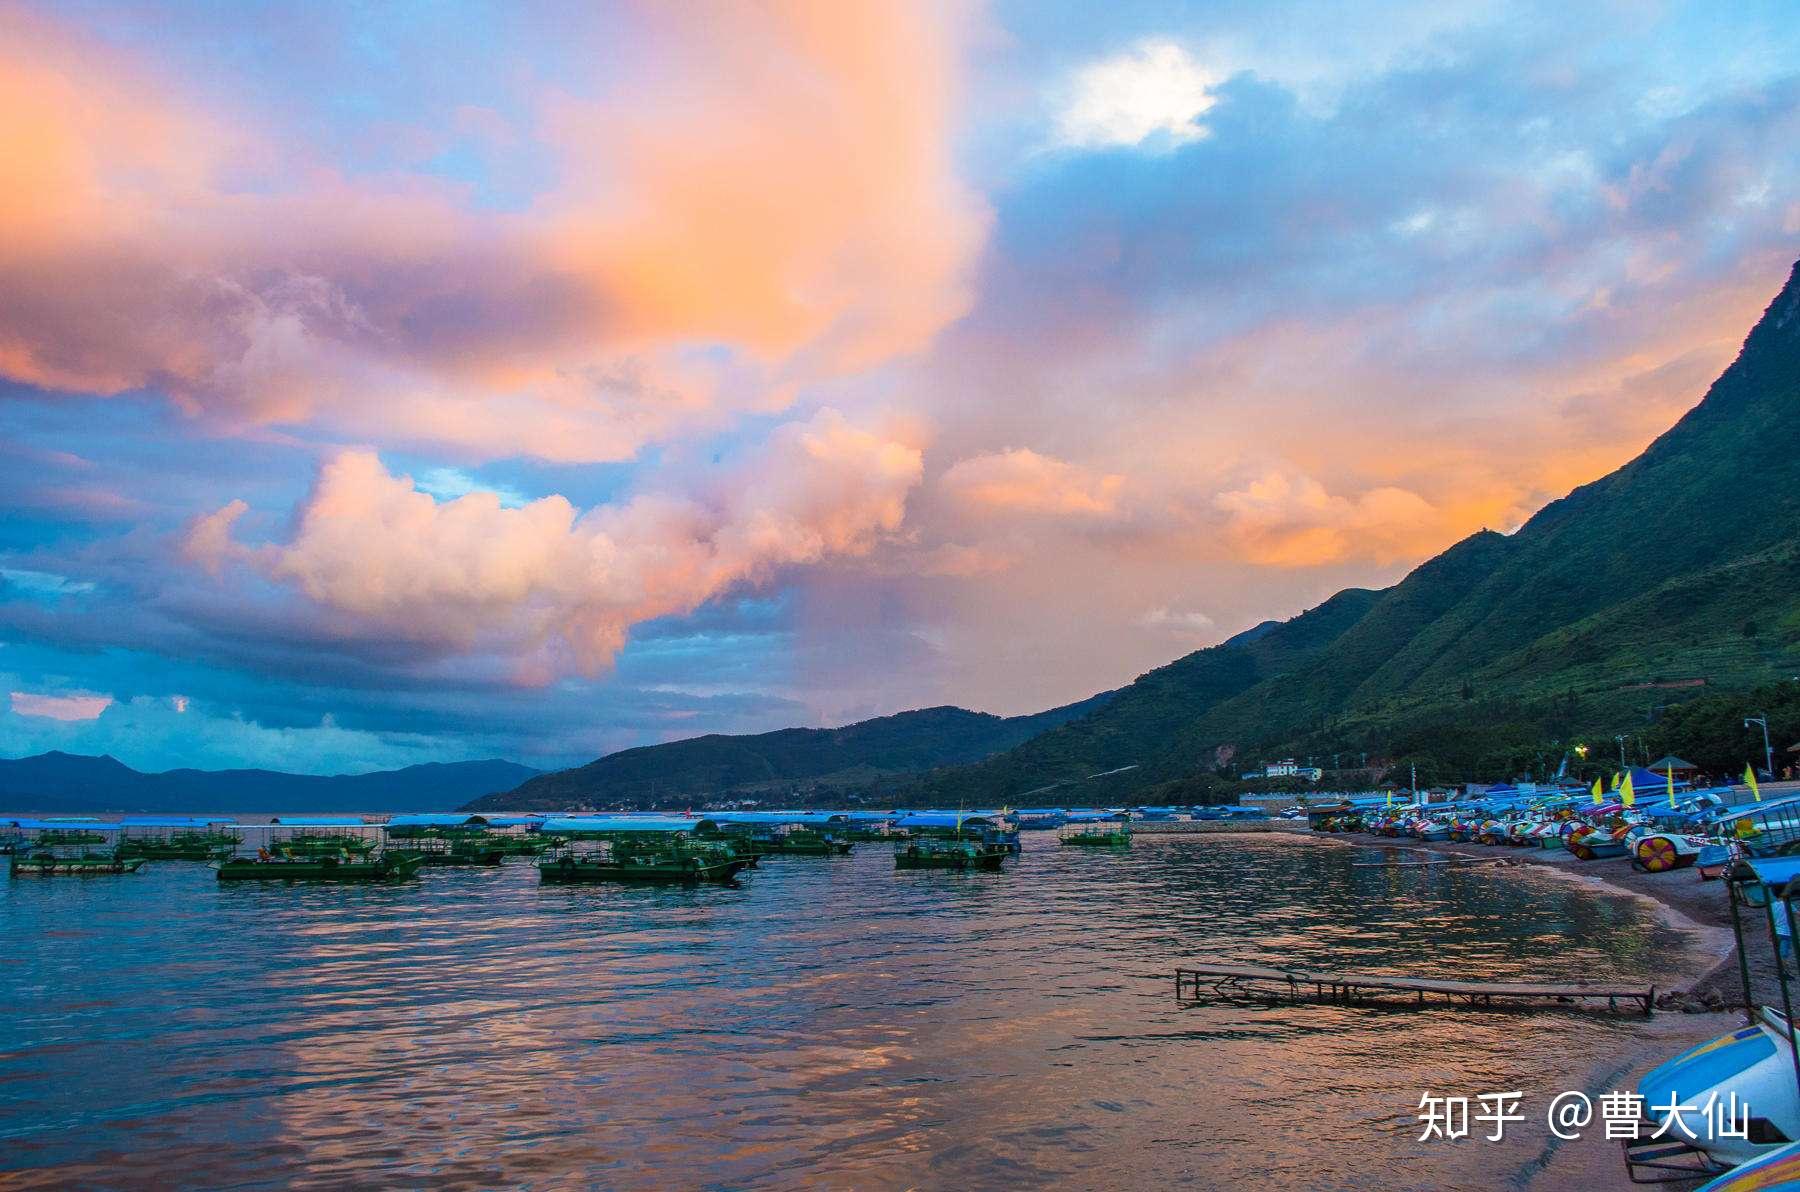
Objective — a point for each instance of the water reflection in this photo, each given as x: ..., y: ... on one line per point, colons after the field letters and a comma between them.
x: 829, y: 1020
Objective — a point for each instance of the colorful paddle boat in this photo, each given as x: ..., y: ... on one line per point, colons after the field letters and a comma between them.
x: 1752, y: 1066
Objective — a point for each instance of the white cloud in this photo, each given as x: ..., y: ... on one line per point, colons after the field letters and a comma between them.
x: 1154, y: 90
x: 560, y: 588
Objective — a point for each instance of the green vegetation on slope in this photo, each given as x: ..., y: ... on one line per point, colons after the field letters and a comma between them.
x: 1677, y: 575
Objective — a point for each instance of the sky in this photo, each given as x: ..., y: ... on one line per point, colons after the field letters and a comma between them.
x: 434, y: 380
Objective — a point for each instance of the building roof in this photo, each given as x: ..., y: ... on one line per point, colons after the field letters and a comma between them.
x: 1671, y: 762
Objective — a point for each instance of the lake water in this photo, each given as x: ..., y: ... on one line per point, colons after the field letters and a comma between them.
x: 830, y: 1022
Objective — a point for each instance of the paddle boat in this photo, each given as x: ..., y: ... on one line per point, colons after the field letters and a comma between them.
x: 1674, y: 839
x: 320, y: 867
x: 1752, y: 1066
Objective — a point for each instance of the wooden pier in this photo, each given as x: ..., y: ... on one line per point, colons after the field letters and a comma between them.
x: 1270, y: 986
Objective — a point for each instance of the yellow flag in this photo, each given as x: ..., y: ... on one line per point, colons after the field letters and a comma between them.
x: 1615, y: 784
x: 1627, y: 795
x: 1597, y: 797
x: 1390, y: 799
x: 1670, y: 775
x: 1750, y: 777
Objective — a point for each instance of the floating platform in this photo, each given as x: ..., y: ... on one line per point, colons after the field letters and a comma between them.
x: 1253, y: 983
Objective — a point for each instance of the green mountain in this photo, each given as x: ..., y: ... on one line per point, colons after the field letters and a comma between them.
x: 1677, y: 575
x: 813, y: 764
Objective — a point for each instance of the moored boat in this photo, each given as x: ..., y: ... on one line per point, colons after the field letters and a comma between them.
x: 628, y: 865
x: 47, y: 863
x: 339, y: 867
x: 957, y: 855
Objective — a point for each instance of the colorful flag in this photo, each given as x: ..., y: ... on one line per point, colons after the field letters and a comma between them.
x: 1615, y: 785
x: 1390, y: 800
x: 1627, y: 795
x: 1750, y: 777
x: 1671, y: 777
x: 1597, y: 796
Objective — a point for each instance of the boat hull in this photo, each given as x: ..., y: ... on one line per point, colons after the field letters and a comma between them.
x: 690, y: 871
x: 383, y: 869
x: 28, y: 866
x: 956, y: 861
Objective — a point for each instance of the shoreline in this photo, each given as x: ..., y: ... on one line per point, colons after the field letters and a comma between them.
x: 1707, y: 968
x: 1678, y: 898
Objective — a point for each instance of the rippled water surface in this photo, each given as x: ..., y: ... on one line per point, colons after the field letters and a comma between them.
x: 829, y: 1021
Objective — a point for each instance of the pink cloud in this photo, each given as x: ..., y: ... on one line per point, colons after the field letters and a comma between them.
x: 780, y: 202
x: 1021, y: 480
x: 561, y: 589
x: 60, y: 707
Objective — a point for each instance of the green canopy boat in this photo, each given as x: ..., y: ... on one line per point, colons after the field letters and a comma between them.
x: 341, y: 867
x: 181, y: 846
x: 801, y: 842
x: 949, y: 854
x: 1119, y: 837
x: 466, y: 851
x: 44, y: 863
x: 305, y: 845
x: 634, y: 866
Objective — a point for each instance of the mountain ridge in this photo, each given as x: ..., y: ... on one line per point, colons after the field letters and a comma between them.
x: 852, y: 761
x: 56, y: 782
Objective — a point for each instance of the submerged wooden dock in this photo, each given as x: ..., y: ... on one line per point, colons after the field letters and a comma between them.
x: 1271, y: 986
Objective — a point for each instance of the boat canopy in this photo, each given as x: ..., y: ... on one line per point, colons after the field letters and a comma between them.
x: 439, y: 819
x: 1096, y: 817
x: 943, y: 819
x: 173, y: 821
x: 871, y: 817
x: 512, y: 821
x: 64, y: 825
x: 573, y: 825
x: 1775, y: 872
x: 319, y: 821
x: 781, y: 817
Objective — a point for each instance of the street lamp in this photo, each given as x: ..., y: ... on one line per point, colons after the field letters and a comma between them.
x: 1621, y: 740
x: 1768, y: 751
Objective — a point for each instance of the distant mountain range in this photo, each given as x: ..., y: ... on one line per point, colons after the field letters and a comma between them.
x: 1675, y: 576
x: 817, y: 764
x: 52, y: 783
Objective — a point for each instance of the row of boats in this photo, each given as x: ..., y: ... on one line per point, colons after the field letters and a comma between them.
x: 568, y: 849
x: 1670, y: 830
